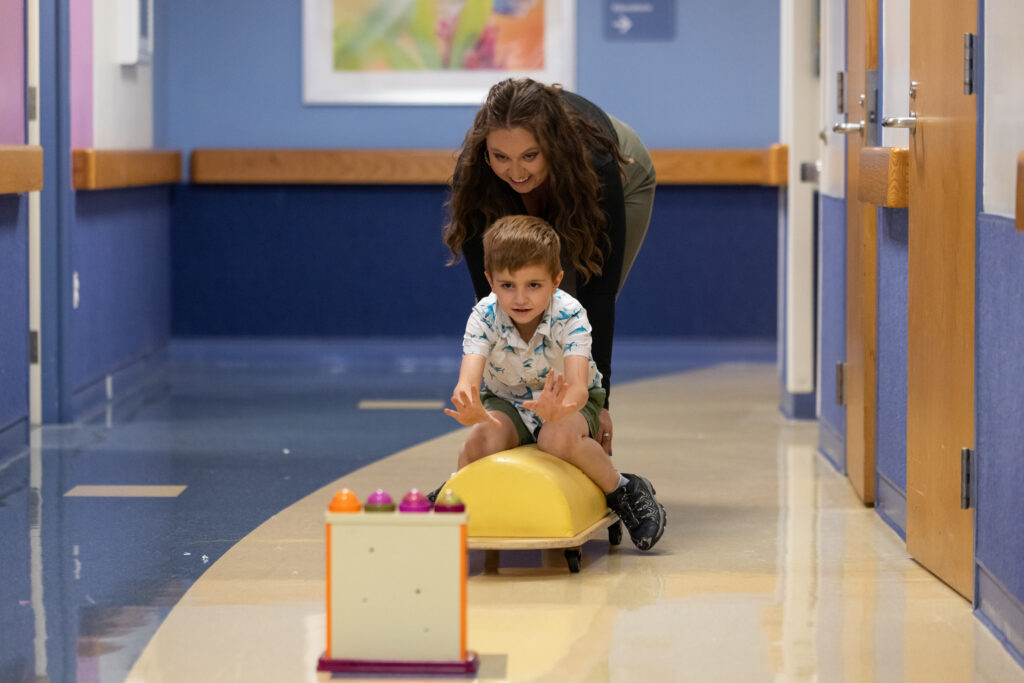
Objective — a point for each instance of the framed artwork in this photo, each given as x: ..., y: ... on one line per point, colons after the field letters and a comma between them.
x: 432, y: 51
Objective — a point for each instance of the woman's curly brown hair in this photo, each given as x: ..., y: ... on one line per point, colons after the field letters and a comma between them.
x: 567, y: 142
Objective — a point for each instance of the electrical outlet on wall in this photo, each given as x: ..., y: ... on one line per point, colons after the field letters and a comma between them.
x: 75, y: 288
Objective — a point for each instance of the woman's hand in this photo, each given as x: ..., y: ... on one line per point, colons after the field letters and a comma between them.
x: 604, y: 433
x: 554, y: 403
x: 469, y: 409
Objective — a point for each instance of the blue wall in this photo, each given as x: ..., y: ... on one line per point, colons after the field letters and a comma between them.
x: 228, y: 74
x: 891, y: 359
x: 718, y: 81
x: 707, y: 267
x: 999, y: 429
x: 320, y: 261
x: 121, y: 251
x: 832, y: 341
x: 327, y: 261
x: 314, y: 261
x: 14, y: 320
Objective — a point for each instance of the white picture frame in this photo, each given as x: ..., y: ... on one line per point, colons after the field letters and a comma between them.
x: 323, y: 85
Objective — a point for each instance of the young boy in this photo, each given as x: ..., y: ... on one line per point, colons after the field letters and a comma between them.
x: 529, y: 342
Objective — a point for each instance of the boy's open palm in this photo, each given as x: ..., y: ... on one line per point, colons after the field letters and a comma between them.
x: 469, y: 409
x: 553, y: 404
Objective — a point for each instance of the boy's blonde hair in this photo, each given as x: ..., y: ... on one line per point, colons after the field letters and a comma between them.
x: 514, y: 242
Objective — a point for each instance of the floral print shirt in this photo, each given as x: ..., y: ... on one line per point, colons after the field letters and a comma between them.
x: 516, y: 369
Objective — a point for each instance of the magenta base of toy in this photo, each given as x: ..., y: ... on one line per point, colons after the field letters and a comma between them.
x: 369, y: 666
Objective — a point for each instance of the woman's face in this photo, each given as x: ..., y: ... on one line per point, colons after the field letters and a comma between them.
x: 515, y: 157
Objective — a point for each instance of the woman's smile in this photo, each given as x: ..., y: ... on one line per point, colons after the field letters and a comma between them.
x: 515, y: 156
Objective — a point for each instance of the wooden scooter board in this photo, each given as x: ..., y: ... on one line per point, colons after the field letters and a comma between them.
x: 571, y: 544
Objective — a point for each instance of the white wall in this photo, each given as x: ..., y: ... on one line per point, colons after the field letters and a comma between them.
x: 798, y: 120
x: 833, y: 59
x: 1004, y: 103
x: 122, y: 95
x: 895, y: 69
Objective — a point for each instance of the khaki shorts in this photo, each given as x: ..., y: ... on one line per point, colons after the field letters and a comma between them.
x: 591, y: 413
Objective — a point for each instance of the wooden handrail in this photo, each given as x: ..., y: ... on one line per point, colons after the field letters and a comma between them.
x: 1020, y: 192
x: 884, y: 176
x: 21, y: 168
x: 323, y: 166
x: 434, y: 167
x: 721, y: 166
x: 106, y: 169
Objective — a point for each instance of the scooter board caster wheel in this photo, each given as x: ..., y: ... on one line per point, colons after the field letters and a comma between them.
x: 573, y: 558
x: 615, y: 534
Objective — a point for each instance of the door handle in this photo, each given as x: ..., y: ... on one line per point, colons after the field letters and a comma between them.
x: 848, y: 128
x: 909, y: 122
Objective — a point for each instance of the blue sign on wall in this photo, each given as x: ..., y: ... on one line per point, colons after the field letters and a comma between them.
x: 647, y: 20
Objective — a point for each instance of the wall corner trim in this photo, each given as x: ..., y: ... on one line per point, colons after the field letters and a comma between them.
x: 1000, y: 610
x: 1020, y: 192
x: 21, y: 168
x: 106, y: 169
x: 884, y: 176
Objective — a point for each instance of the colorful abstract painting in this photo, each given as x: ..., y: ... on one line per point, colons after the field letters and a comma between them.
x: 431, y: 51
x: 421, y: 35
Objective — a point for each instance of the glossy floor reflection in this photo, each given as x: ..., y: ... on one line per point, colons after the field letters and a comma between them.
x: 769, y: 570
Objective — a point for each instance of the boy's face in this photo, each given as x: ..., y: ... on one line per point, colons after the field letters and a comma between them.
x: 524, y: 295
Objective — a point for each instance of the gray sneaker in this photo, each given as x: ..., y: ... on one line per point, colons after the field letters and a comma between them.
x: 639, y: 510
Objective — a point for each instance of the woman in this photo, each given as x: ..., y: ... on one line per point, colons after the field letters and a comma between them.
x: 540, y: 150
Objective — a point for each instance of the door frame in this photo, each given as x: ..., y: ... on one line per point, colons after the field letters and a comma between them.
x: 55, y: 215
x: 35, y: 392
x: 860, y: 371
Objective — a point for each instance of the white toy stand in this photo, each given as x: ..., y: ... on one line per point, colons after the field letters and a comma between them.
x: 396, y: 587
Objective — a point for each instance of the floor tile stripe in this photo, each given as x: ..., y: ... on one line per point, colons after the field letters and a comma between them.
x: 129, y: 491
x: 399, y: 404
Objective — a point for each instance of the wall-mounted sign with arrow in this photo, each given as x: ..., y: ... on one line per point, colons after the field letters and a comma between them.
x: 647, y: 20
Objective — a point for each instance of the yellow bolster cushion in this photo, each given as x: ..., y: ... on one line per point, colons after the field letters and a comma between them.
x: 527, y: 493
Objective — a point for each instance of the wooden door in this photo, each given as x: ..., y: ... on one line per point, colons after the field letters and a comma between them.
x: 940, y: 334
x: 861, y: 259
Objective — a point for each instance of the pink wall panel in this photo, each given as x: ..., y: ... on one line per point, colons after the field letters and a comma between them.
x: 81, y: 73
x: 12, y: 72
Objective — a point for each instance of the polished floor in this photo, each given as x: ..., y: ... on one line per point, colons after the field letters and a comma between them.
x: 178, y: 536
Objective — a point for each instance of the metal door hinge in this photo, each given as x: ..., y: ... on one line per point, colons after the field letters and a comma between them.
x: 970, y: 41
x: 966, y: 478
x: 33, y: 347
x: 841, y: 384
x: 31, y: 103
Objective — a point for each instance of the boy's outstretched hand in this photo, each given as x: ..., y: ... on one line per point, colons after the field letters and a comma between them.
x: 469, y: 409
x: 554, y: 405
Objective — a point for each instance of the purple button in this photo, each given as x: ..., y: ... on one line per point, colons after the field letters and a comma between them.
x: 415, y: 501
x: 379, y: 501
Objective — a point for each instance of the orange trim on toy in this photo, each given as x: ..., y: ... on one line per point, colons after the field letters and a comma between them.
x: 345, y: 501
x: 462, y: 591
